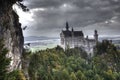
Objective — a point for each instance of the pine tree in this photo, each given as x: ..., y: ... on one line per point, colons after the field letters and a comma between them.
x: 4, y: 61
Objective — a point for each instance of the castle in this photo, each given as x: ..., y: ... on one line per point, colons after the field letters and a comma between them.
x: 72, y: 39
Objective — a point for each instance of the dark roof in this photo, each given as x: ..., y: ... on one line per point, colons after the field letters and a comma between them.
x: 78, y: 33
x: 68, y: 33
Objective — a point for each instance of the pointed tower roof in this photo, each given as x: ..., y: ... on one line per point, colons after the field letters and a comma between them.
x: 67, y: 26
x: 95, y: 31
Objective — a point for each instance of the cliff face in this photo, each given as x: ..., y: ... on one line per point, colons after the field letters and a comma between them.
x: 11, y: 32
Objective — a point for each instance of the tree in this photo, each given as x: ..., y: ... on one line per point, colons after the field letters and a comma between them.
x: 80, y: 75
x: 97, y: 77
x: 15, y: 75
x: 73, y: 76
x: 4, y: 61
x: 108, y: 75
x: 65, y: 75
x: 22, y: 6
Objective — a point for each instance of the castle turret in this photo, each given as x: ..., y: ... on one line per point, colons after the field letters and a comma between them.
x: 72, y: 29
x: 87, y: 37
x: 88, y: 44
x: 67, y: 26
x: 96, y: 35
x: 72, y: 32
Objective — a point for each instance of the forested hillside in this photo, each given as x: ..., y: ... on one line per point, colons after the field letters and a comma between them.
x: 74, y: 64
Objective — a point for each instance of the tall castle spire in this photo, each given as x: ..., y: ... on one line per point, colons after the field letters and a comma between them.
x: 67, y: 26
x: 96, y: 35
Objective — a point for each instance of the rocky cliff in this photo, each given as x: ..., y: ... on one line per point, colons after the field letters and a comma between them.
x: 11, y: 32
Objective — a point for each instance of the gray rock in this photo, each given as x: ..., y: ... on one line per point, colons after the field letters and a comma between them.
x: 11, y: 32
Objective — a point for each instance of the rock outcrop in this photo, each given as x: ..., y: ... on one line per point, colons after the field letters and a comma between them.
x: 11, y: 32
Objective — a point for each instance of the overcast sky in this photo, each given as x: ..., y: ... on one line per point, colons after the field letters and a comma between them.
x: 48, y: 17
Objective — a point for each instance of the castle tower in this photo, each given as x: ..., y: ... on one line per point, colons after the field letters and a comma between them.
x: 72, y: 32
x: 72, y: 29
x: 72, y: 40
x: 88, y: 44
x: 67, y: 26
x: 96, y: 35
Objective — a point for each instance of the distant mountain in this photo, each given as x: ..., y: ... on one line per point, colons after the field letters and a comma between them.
x: 110, y: 38
x: 33, y: 38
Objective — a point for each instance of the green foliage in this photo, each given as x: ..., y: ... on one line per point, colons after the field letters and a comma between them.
x: 4, y: 61
x: 16, y: 75
x: 80, y: 75
x: 54, y: 64
x: 109, y: 75
x: 73, y: 76
x: 57, y: 64
x: 97, y: 77
x: 76, y: 52
x: 107, y: 52
x: 104, y: 47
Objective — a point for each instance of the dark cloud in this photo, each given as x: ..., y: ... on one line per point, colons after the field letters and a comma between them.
x: 44, y: 3
x: 79, y: 13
